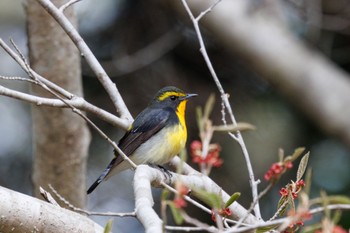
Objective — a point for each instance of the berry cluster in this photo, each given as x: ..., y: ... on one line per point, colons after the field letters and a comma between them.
x: 277, y: 169
x: 293, y: 189
x: 224, y: 212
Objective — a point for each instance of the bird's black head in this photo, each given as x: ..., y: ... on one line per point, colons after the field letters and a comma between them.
x: 170, y: 96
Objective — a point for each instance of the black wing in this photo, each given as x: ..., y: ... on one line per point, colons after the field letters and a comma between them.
x: 146, y: 124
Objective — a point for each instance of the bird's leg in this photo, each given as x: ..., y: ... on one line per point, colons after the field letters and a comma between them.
x: 165, y: 171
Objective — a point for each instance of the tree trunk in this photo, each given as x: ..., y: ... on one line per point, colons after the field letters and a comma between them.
x: 61, y: 138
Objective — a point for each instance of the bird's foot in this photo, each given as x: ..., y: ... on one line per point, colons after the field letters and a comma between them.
x: 165, y: 171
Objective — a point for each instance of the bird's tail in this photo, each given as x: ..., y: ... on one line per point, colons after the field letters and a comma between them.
x: 101, y: 177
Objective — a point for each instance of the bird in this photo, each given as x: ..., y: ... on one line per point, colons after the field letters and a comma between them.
x: 157, y: 134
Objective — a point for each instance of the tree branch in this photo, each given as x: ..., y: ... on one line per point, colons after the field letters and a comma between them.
x: 90, y: 58
x: 309, y: 80
x: 35, y: 215
x: 145, y: 176
x: 77, y: 102
x: 224, y: 97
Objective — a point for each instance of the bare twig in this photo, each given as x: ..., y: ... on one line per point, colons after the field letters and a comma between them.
x: 199, y: 224
x: 22, y: 64
x: 77, y: 111
x: 47, y: 196
x: 187, y: 198
x: 261, y: 194
x: 237, y: 136
x: 75, y: 101
x: 68, y: 4
x: 102, y: 76
x: 183, y: 228
x: 18, y: 79
x: 82, y: 211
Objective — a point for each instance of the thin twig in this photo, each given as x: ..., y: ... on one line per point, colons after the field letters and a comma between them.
x: 68, y: 4
x: 76, y: 101
x: 183, y: 228
x: 198, y: 223
x: 237, y: 136
x: 22, y: 64
x: 278, y: 212
x: 16, y: 78
x: 187, y: 198
x: 79, y: 210
x: 77, y: 111
x: 261, y: 194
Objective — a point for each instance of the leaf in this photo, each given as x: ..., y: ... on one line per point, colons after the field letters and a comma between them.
x: 307, y: 179
x: 266, y: 229
x: 334, y: 199
x: 291, y: 202
x: 336, y: 216
x: 280, y: 154
x: 297, y: 152
x: 199, y: 116
x: 176, y: 213
x: 108, y: 227
x: 232, y: 199
x: 209, y: 105
x: 211, y: 199
x: 165, y: 194
x: 241, y: 126
x: 302, y: 166
x: 282, y: 205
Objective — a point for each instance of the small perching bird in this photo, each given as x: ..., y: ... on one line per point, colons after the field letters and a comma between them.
x: 158, y: 133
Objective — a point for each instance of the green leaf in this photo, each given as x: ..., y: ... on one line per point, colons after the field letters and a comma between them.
x: 211, y: 199
x: 302, y: 166
x: 232, y: 199
x: 308, y: 177
x: 297, y: 152
x: 176, y: 213
x: 199, y: 115
x: 291, y: 204
x: 280, y: 154
x: 334, y: 199
x: 209, y: 106
x: 165, y: 194
x: 266, y: 229
x: 241, y: 126
x: 282, y: 202
x: 336, y: 216
x: 108, y: 227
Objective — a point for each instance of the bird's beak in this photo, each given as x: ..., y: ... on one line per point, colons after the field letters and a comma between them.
x: 187, y: 96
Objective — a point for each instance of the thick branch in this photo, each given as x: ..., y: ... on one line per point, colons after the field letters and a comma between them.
x: 22, y: 213
x: 145, y: 176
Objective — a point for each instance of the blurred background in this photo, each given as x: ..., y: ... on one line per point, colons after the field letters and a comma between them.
x: 145, y: 45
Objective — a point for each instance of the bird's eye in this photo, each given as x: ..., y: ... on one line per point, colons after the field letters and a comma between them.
x: 173, y: 97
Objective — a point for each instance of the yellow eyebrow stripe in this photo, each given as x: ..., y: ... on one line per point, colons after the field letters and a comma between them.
x: 170, y: 93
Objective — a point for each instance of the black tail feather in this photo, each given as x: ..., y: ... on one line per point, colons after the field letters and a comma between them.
x: 101, y: 177
x: 94, y: 185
